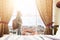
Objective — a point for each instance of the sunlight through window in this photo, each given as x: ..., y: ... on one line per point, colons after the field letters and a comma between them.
x: 30, y: 15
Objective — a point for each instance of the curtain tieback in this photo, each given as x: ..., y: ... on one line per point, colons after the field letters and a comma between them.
x: 49, y: 24
x: 4, y: 22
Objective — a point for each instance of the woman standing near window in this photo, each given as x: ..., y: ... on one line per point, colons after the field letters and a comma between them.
x: 17, y: 23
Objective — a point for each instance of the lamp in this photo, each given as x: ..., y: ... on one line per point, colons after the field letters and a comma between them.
x: 58, y: 4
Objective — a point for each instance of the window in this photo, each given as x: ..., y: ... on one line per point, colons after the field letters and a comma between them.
x: 30, y: 15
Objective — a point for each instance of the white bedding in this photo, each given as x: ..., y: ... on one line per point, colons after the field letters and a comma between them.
x: 35, y: 37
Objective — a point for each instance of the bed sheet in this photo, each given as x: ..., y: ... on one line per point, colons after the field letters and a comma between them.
x: 29, y: 37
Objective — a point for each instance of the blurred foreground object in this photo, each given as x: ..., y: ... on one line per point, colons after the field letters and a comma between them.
x: 17, y: 23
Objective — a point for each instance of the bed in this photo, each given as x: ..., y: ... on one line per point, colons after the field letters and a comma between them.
x: 29, y: 37
x: 11, y: 36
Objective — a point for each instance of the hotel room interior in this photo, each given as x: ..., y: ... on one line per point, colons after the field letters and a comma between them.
x: 29, y: 18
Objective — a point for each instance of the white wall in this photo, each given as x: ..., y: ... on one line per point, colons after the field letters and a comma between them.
x: 56, y: 13
x: 56, y: 17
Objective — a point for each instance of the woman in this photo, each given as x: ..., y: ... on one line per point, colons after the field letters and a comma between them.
x: 18, y: 23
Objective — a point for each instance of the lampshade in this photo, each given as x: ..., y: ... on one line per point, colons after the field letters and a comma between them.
x: 58, y: 4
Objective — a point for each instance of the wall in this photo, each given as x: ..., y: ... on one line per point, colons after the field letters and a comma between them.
x: 56, y: 12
